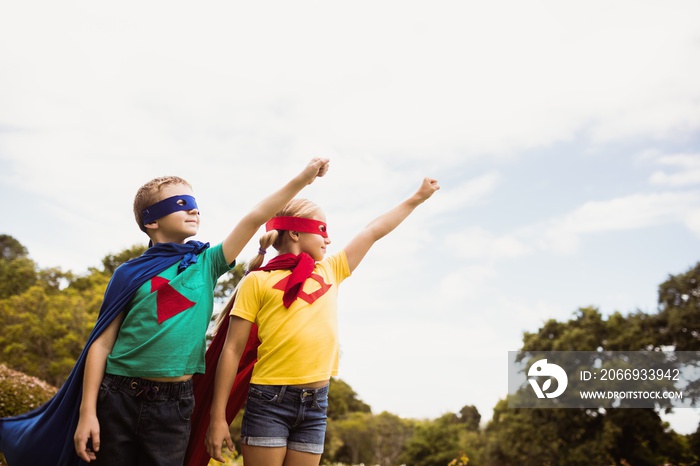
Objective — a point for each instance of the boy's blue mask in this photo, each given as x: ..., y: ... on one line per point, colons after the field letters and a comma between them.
x: 168, y: 206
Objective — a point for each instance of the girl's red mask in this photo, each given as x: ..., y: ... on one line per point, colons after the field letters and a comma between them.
x: 302, y: 225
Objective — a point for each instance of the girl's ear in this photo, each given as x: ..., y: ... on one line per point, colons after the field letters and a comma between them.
x: 293, y: 235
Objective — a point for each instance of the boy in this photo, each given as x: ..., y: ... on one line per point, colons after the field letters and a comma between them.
x: 147, y: 343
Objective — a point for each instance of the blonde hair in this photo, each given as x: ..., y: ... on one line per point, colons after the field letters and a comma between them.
x: 147, y: 195
x: 302, y: 208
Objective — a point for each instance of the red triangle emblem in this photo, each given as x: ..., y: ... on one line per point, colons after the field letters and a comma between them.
x: 169, y: 301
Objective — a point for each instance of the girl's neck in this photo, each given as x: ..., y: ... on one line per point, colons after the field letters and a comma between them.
x: 293, y: 250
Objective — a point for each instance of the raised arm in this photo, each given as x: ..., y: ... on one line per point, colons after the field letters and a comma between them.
x: 385, y: 223
x: 268, y: 207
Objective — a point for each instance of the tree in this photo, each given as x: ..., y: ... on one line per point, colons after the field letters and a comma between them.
x: 226, y: 285
x: 343, y: 400
x: 391, y: 435
x: 11, y: 249
x: 640, y: 437
x: 17, y: 270
x: 111, y: 261
x: 533, y: 437
x: 677, y: 324
x: 470, y: 417
x: 435, y: 443
x: 678, y: 321
x: 603, y: 436
x: 44, y: 330
x: 45, y: 326
x: 694, y: 442
x: 356, y: 435
x: 362, y: 437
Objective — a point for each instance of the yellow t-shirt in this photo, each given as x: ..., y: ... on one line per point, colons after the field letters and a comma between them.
x: 298, y: 345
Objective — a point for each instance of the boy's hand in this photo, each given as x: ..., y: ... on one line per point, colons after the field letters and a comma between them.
x: 316, y: 168
x: 87, y: 429
x: 218, y: 434
x: 427, y: 188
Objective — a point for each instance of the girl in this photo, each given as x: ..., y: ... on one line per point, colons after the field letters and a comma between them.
x: 293, y: 303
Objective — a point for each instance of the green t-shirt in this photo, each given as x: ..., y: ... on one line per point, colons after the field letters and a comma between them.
x: 164, y: 331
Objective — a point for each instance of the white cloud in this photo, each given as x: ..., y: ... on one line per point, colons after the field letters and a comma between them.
x: 477, y: 242
x: 467, y: 193
x: 564, y: 234
x: 625, y: 213
x: 687, y: 170
x: 444, y: 82
x: 692, y: 220
x: 464, y: 284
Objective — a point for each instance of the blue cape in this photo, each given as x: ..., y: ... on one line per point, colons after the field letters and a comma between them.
x: 45, y: 436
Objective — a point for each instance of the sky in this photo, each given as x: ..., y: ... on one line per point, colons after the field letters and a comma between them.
x: 565, y: 137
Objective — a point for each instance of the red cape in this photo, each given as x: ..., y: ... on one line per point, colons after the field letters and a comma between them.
x: 302, y: 266
x: 204, y: 387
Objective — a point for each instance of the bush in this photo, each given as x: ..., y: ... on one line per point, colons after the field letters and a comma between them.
x: 20, y: 393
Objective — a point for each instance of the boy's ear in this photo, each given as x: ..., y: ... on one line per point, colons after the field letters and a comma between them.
x: 152, y: 226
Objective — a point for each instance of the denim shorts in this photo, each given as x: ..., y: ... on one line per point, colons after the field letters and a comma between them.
x: 285, y: 416
x: 143, y: 422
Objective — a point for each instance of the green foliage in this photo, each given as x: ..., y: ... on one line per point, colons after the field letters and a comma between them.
x: 45, y: 326
x: 17, y: 271
x: 111, y: 261
x: 20, y: 393
x: 545, y: 436
x: 365, y: 438
x: 343, y: 400
x: 640, y: 437
x: 693, y: 441
x: 435, y: 443
x: 47, y: 314
x: 226, y: 284
x: 612, y: 436
x: 392, y: 434
x: 44, y: 332
x: 16, y: 276
x: 679, y: 316
x: 11, y: 249
x: 54, y: 279
x: 356, y: 436
x: 470, y: 416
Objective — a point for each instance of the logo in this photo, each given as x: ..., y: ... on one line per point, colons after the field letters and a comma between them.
x: 169, y: 301
x: 323, y: 287
x: 544, y: 369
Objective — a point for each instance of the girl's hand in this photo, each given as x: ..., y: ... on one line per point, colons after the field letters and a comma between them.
x: 218, y: 434
x: 317, y: 167
x: 427, y: 188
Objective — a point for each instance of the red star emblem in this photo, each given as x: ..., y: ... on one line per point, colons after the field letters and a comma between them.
x: 169, y: 301
x: 308, y: 297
